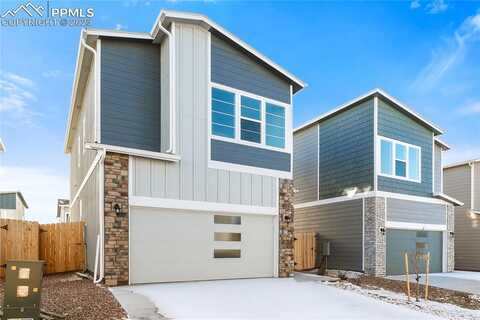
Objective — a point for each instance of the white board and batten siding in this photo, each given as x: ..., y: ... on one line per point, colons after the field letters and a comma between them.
x: 190, y: 178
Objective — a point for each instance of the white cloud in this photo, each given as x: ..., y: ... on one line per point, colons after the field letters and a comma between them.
x: 473, y: 107
x: 415, y: 4
x: 449, y: 54
x: 436, y: 6
x: 119, y: 26
x: 19, y: 80
x: 40, y: 187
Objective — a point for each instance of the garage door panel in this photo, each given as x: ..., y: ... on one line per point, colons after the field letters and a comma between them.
x: 176, y: 245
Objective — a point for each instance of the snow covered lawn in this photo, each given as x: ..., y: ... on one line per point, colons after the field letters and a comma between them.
x: 269, y: 298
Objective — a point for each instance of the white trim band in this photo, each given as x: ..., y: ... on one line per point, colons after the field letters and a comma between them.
x: 415, y: 226
x: 135, y: 152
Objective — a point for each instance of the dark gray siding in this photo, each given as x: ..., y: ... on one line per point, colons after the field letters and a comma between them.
x: 476, y: 186
x: 438, y: 171
x: 130, y: 94
x: 457, y: 183
x: 394, y: 124
x: 346, y: 151
x: 341, y: 224
x: 249, y: 156
x: 305, y: 164
x: 233, y: 67
x: 8, y: 201
x: 467, y: 238
x: 415, y: 212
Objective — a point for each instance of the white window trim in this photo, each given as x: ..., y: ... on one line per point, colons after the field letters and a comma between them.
x: 240, y: 117
x: 236, y: 139
x: 394, y: 158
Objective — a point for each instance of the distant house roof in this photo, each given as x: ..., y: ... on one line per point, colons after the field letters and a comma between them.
x: 2, y: 146
x: 165, y: 18
x: 460, y: 163
x: 442, y: 144
x: 18, y: 193
x: 368, y: 95
x: 61, y: 203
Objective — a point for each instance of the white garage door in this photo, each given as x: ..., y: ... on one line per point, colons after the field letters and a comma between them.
x: 175, y: 245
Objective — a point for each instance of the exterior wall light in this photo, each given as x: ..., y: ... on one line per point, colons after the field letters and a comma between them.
x: 452, y: 234
x: 117, y: 209
x: 382, y: 230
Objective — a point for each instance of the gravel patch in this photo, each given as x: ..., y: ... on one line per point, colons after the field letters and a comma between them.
x: 77, y: 298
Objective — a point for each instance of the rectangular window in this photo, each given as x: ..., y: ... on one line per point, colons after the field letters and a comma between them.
x: 221, y: 219
x: 275, y: 119
x: 247, y: 118
x: 223, y: 113
x: 400, y: 160
x: 227, y: 236
x: 226, y: 253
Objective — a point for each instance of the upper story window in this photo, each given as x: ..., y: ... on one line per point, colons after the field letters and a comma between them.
x: 248, y: 119
x: 400, y: 160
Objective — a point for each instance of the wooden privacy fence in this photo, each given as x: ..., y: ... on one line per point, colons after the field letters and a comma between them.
x: 304, y: 250
x: 60, y: 245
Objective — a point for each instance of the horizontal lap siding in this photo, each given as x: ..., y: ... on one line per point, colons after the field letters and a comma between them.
x: 438, y: 169
x: 130, y: 95
x: 467, y: 239
x: 415, y: 212
x: 249, y: 156
x: 457, y: 184
x: 305, y: 164
x: 476, y: 186
x: 8, y: 201
x: 341, y: 224
x: 394, y: 124
x: 346, y: 151
x: 233, y: 67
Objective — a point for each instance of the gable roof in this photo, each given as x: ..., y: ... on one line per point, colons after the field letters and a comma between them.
x: 18, y: 193
x: 165, y: 17
x: 375, y: 92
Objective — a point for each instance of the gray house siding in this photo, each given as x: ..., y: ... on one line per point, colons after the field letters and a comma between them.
x: 438, y: 170
x: 233, y: 67
x: 305, y: 164
x: 416, y: 212
x: 467, y: 238
x: 191, y: 178
x: 346, y: 151
x: 8, y: 201
x: 249, y: 156
x: 130, y: 95
x: 457, y: 184
x: 476, y: 186
x: 341, y: 224
x: 394, y: 124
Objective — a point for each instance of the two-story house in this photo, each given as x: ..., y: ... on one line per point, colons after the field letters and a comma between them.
x: 462, y: 181
x: 12, y: 205
x: 178, y: 140
x: 368, y: 181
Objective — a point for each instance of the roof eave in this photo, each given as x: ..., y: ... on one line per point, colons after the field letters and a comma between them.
x: 447, y: 198
x: 461, y: 163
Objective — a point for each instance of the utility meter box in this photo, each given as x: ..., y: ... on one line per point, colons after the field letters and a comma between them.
x: 23, y: 287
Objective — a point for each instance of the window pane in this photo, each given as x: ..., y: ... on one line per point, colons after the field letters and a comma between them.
x: 278, y: 121
x: 223, y: 131
x: 251, y: 113
x: 227, y: 236
x: 224, y: 119
x: 400, y: 152
x: 413, y: 163
x: 250, y: 131
x: 250, y: 108
x: 221, y: 219
x: 275, y: 142
x: 218, y: 94
x: 250, y: 136
x: 223, y: 107
x: 400, y: 168
x: 276, y: 110
x: 386, y: 157
x: 226, y: 253
x: 275, y: 131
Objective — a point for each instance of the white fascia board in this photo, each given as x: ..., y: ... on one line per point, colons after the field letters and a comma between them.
x: 415, y: 226
x: 442, y: 144
x: 134, y: 152
x: 449, y: 199
x: 118, y: 34
x: 365, y: 96
x: 152, y: 202
x: 167, y: 14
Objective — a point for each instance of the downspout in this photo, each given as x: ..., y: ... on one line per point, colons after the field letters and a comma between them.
x: 171, y: 74
x: 94, y: 52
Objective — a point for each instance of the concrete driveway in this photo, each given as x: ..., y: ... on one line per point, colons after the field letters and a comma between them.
x: 465, y: 281
x: 262, y: 299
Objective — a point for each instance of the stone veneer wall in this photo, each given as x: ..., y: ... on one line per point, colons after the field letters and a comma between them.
x: 374, y: 239
x: 450, y: 238
x: 286, y: 237
x: 116, y: 226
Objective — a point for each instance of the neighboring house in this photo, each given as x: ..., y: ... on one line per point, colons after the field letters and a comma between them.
x: 462, y: 181
x: 63, y: 210
x: 12, y: 205
x: 368, y: 180
x: 178, y: 139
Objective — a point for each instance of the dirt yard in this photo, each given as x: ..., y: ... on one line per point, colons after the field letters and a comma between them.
x: 77, y: 298
x: 461, y: 299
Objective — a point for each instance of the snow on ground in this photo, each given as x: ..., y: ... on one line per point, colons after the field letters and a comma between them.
x: 468, y: 275
x: 443, y: 310
x: 270, y: 298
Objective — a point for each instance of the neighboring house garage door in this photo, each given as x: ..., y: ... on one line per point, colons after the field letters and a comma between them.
x: 399, y: 241
x: 178, y: 245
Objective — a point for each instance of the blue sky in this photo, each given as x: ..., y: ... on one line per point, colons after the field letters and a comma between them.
x: 425, y: 53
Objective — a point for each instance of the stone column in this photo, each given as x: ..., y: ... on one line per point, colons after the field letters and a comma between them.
x: 374, y: 238
x: 116, y: 225
x: 450, y: 238
x: 286, y: 237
